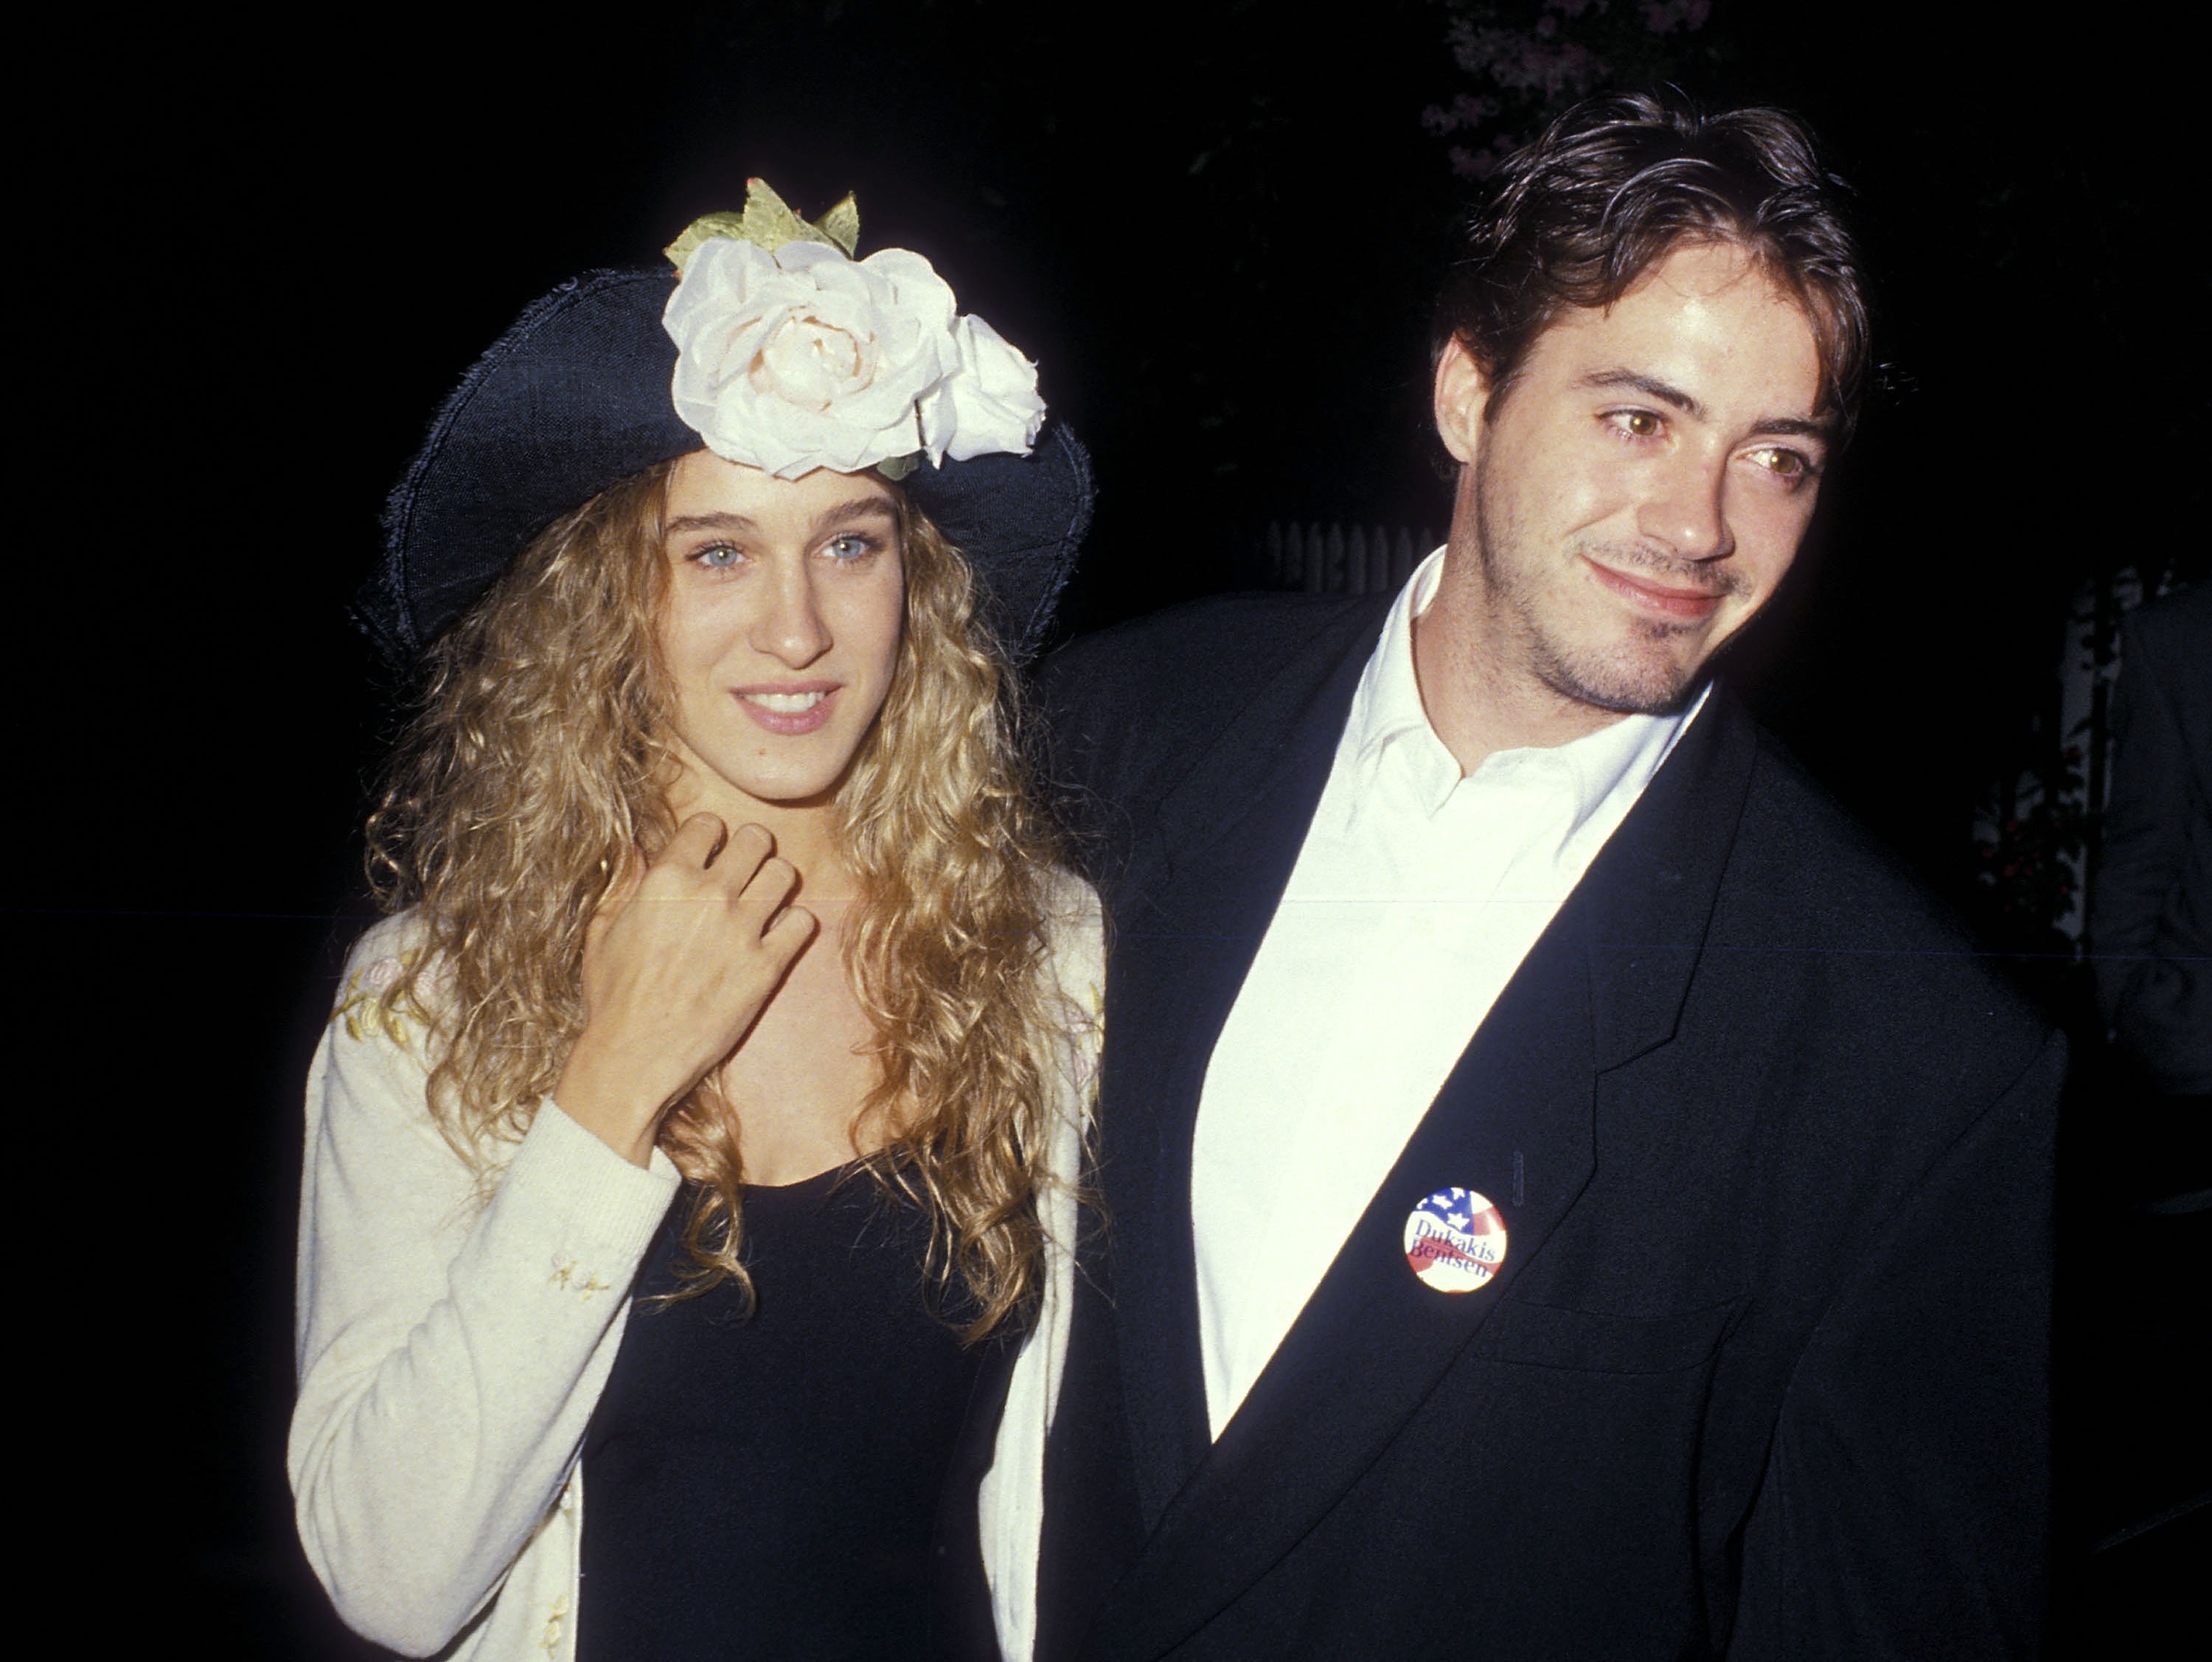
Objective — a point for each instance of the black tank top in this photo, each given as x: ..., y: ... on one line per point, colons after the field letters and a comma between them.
x: 764, y: 1484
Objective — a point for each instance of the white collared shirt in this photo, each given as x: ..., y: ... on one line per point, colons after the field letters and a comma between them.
x: 1415, y: 897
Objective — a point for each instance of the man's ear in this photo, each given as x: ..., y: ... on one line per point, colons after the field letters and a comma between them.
x: 1461, y: 392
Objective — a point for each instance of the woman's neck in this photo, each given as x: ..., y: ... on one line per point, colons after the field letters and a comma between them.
x: 793, y: 1088
x: 807, y: 834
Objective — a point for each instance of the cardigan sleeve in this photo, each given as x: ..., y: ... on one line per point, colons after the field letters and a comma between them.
x: 450, y: 1350
x: 1010, y: 1503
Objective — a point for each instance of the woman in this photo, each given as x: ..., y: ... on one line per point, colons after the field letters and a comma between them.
x: 712, y: 1091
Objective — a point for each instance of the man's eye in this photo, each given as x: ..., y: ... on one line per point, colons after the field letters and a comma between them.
x: 1637, y: 424
x: 1786, y: 463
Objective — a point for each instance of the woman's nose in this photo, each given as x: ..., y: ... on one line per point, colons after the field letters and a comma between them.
x: 791, y: 628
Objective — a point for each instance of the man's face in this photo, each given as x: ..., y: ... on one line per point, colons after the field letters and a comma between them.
x: 1641, y: 486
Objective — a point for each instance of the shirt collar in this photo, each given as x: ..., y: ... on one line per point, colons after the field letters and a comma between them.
x: 1387, y: 720
x: 1388, y: 730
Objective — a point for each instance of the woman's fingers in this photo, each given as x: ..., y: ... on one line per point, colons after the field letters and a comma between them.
x: 758, y: 883
x: 770, y: 888
x: 793, y: 928
x: 742, y: 855
x: 678, y: 963
x: 696, y: 843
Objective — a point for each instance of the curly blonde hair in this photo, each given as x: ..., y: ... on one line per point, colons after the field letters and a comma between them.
x: 536, y: 761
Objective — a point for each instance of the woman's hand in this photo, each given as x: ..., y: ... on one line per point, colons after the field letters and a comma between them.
x: 677, y: 967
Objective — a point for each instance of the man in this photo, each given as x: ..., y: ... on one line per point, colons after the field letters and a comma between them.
x: 1566, y: 1193
x: 2154, y: 884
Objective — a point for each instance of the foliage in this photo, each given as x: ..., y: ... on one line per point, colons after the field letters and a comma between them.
x: 1528, y: 59
x: 2027, y: 866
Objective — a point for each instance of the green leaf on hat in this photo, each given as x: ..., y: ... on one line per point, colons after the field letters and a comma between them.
x: 768, y: 222
x: 842, y: 224
x: 705, y: 228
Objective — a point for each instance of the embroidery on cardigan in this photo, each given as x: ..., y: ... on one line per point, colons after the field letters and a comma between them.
x: 362, y: 1009
x: 572, y: 1278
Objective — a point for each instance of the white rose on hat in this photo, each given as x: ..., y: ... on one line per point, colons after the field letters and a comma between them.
x: 801, y: 357
x: 993, y: 406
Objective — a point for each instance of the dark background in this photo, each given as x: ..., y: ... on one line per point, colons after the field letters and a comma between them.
x: 261, y: 254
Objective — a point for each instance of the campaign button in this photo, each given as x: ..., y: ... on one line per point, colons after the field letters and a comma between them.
x: 1454, y: 1240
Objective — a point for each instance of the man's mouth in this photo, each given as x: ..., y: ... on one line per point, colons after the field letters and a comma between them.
x: 1667, y: 599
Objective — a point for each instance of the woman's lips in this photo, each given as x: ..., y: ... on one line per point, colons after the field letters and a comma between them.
x: 788, y: 710
x: 1688, y: 604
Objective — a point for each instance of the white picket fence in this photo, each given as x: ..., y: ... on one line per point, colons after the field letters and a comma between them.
x: 1337, y: 559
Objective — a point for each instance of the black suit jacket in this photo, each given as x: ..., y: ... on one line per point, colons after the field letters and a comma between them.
x: 1765, y: 1370
x: 2151, y: 922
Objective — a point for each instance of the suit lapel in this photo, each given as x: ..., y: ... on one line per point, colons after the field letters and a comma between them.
x: 1514, y: 1121
x: 1186, y: 922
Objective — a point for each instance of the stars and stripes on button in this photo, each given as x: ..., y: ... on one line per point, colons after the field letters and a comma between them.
x: 1454, y: 1240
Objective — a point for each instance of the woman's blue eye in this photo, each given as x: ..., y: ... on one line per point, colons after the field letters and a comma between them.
x: 850, y: 547
x: 721, y: 557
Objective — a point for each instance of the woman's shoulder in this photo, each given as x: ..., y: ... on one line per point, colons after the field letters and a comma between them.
x: 389, y: 940
x: 1070, y: 901
x: 1075, y: 928
x: 388, y: 951
x: 1074, y: 917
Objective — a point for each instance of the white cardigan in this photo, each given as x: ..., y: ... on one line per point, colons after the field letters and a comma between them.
x: 451, y: 1351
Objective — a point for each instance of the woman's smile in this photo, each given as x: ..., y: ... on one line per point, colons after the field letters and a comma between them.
x: 791, y: 710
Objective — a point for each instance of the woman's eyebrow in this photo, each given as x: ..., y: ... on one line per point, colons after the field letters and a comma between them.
x: 712, y: 522
x: 859, y: 507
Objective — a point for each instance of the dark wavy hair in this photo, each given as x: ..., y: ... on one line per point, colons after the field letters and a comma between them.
x: 1618, y: 183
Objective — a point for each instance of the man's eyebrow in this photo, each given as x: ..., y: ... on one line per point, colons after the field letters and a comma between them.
x: 1649, y: 384
x: 1781, y: 426
x: 1796, y: 427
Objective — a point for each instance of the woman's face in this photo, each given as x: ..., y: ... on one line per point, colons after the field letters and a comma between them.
x: 781, y: 628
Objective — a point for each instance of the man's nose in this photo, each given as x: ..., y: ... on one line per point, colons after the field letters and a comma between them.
x: 791, y: 628
x: 1687, y: 513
